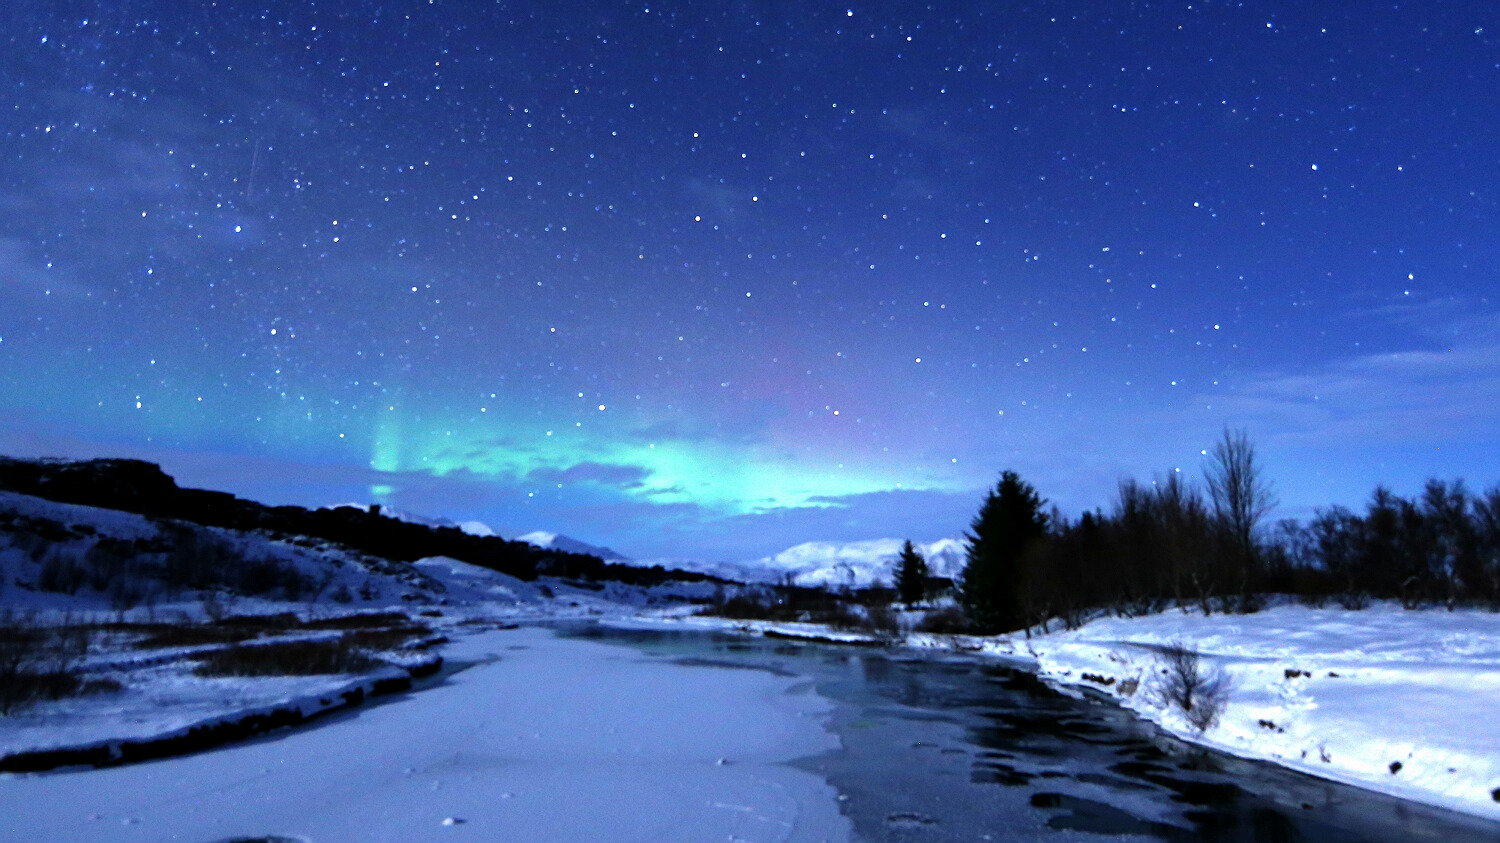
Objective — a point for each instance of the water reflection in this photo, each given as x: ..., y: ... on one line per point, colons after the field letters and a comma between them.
x: 957, y: 748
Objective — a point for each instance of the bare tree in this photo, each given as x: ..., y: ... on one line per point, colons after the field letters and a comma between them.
x: 1241, y: 496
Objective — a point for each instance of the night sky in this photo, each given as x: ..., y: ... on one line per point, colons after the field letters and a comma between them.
x: 708, y: 279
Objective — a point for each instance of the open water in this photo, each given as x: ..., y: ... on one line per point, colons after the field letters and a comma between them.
x: 940, y: 748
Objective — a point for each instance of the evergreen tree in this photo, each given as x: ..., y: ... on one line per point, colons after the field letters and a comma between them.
x: 911, y: 575
x: 1003, y: 539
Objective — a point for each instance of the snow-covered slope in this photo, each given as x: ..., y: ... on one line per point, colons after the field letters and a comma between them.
x: 65, y: 556
x: 556, y: 541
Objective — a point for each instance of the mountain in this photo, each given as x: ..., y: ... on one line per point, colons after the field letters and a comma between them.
x: 861, y: 563
x: 855, y: 564
x: 557, y: 541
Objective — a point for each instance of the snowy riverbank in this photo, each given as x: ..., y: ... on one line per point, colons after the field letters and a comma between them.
x: 1401, y: 702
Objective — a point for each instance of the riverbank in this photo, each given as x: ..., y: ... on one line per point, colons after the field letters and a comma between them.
x: 1396, y: 701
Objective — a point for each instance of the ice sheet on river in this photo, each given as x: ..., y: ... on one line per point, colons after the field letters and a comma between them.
x: 543, y: 739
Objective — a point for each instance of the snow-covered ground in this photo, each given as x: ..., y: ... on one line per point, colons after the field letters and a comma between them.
x: 1402, y: 702
x: 1397, y: 701
x: 542, y: 739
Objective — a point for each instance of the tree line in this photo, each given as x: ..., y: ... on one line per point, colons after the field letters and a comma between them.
x: 1171, y: 543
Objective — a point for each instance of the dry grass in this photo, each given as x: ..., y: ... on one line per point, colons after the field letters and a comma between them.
x: 370, y: 620
x: 38, y: 661
x: 286, y: 658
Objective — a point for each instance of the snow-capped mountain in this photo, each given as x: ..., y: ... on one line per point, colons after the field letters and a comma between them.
x: 557, y: 541
x: 860, y: 563
x: 855, y: 564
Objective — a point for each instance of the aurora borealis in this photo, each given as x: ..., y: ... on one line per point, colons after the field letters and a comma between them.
x: 711, y: 279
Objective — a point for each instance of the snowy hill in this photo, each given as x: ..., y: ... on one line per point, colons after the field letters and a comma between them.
x: 58, y: 555
x: 557, y: 541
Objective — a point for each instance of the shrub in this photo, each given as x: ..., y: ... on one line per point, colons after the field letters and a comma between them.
x: 1199, y: 692
x: 194, y: 635
x: 949, y: 620
x: 262, y: 576
x: 838, y: 615
x: 750, y: 605
x: 127, y: 592
x: 287, y: 658
x: 60, y: 573
x: 279, y: 621
x: 104, y: 685
x: 213, y: 607
x: 195, y: 558
x: 882, y: 620
x: 107, y: 561
x: 363, y: 620
x: 383, y: 639
x: 1354, y: 601
x: 36, y: 661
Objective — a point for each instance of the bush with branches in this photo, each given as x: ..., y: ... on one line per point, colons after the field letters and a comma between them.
x: 38, y: 661
x: 1199, y: 692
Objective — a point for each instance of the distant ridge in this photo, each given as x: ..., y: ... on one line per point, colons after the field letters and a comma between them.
x: 143, y: 488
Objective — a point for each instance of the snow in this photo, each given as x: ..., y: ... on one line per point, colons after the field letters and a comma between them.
x: 1345, y: 695
x: 345, y: 571
x: 542, y: 739
x: 556, y: 541
x: 861, y: 563
x: 833, y: 564
x: 464, y: 582
x: 164, y: 702
x: 1339, y: 694
x: 476, y: 528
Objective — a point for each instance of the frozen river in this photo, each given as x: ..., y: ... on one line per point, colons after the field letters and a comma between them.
x: 606, y: 734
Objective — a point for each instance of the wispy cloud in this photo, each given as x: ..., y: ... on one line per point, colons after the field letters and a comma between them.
x: 619, y: 476
x: 1447, y: 389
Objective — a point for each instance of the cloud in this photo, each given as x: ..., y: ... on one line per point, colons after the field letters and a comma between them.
x: 24, y: 274
x: 618, y: 476
x: 1443, y: 392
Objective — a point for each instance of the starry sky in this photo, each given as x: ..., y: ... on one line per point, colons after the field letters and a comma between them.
x: 709, y: 279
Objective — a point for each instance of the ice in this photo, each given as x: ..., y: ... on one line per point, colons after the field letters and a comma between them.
x: 587, y: 741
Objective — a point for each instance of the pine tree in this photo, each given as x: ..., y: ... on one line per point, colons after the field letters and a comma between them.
x: 1003, y: 537
x: 911, y: 575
